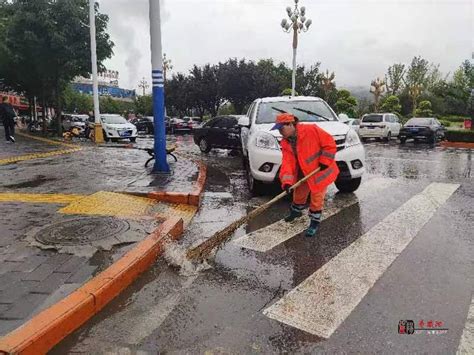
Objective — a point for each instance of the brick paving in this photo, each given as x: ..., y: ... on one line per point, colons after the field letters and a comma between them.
x: 39, y: 192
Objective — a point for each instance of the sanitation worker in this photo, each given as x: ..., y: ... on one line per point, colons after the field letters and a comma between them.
x: 306, y: 147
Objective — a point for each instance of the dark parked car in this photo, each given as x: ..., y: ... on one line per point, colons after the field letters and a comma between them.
x: 422, y: 128
x: 145, y: 124
x: 219, y: 132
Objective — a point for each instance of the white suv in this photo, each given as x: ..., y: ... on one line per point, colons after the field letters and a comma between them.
x: 379, y: 125
x: 261, y: 148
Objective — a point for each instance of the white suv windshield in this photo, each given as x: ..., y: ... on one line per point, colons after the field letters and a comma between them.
x: 267, y: 113
x: 114, y: 119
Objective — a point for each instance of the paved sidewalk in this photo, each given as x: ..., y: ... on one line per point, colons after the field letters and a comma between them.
x: 63, y: 220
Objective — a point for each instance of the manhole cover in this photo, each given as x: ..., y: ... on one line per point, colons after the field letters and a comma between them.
x: 81, y: 231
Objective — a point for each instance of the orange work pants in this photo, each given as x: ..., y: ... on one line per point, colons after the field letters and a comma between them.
x: 300, y: 197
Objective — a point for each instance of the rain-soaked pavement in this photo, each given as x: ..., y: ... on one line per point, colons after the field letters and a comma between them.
x: 356, y: 291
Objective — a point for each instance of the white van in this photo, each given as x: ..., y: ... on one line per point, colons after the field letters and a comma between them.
x: 261, y: 148
x: 379, y: 125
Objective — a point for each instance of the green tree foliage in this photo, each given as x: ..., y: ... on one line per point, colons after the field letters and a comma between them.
x: 144, y: 105
x: 75, y: 102
x: 394, y: 78
x: 47, y: 44
x: 346, y: 103
x: 391, y: 104
x: 203, y: 87
x: 424, y: 109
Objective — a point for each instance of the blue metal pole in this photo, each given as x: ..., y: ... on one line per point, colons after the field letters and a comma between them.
x: 161, y: 164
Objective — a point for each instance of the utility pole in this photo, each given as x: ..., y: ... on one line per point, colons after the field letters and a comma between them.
x: 143, y: 84
x: 297, y: 23
x: 161, y: 164
x: 98, y: 135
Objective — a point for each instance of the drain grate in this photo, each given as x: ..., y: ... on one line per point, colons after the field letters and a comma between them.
x: 81, y: 231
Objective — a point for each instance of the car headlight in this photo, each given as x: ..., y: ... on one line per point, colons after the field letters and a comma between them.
x: 266, y: 141
x: 352, y: 138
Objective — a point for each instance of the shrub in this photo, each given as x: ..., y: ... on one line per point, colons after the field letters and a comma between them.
x: 453, y: 118
x: 460, y: 136
x: 445, y: 123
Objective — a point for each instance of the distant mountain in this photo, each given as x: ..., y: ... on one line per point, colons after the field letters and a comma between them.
x: 359, y: 92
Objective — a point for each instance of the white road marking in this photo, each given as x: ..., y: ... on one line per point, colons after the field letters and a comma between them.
x: 267, y: 238
x: 466, y: 346
x: 324, y: 300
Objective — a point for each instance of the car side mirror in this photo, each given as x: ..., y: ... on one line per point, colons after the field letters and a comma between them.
x: 343, y: 118
x: 244, y: 122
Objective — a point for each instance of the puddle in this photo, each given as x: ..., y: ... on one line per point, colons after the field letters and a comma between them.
x: 37, y: 181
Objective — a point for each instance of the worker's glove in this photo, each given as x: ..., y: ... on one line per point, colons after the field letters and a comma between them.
x: 287, y: 188
x: 322, y: 167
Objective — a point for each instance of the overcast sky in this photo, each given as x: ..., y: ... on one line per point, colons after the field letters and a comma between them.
x: 357, y: 39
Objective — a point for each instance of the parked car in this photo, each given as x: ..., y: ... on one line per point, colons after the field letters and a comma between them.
x: 354, y: 123
x: 379, y: 125
x: 193, y: 122
x: 179, y: 125
x: 422, y: 128
x: 261, y: 149
x: 146, y: 124
x: 115, y: 127
x: 218, y: 132
x: 72, y: 120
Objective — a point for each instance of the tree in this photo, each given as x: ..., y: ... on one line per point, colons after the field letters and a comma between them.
x: 48, y: 44
x: 237, y: 81
x: 288, y: 92
x: 144, y: 105
x: 346, y: 103
x: 204, y: 89
x: 417, y: 72
x: 377, y: 88
x: 327, y: 84
x: 76, y: 102
x: 424, y: 109
x: 394, y: 78
x: 177, y: 95
x: 391, y: 104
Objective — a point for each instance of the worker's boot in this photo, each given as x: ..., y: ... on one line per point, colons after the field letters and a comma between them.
x: 296, y: 211
x: 315, y: 221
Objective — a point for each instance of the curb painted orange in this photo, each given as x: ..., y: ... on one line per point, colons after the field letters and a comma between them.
x: 458, y: 145
x: 49, y: 327
x: 193, y: 198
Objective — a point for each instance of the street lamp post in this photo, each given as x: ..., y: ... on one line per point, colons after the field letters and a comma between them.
x: 297, y: 23
x: 98, y: 135
x: 161, y: 165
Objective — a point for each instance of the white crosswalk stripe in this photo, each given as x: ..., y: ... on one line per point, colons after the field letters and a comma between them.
x: 325, y: 299
x: 267, y: 238
x: 466, y: 346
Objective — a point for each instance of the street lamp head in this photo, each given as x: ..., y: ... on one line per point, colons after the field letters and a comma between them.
x: 296, y: 1
x: 283, y: 23
x: 308, y: 23
x: 300, y: 25
x: 303, y: 19
x: 288, y: 25
x: 303, y: 10
x: 294, y: 18
x: 288, y: 10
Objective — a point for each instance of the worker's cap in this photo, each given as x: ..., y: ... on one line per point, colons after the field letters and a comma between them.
x: 282, y: 119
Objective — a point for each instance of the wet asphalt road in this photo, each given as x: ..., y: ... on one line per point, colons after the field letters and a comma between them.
x: 221, y: 310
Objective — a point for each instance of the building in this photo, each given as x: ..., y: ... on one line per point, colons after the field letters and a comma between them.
x: 108, y: 86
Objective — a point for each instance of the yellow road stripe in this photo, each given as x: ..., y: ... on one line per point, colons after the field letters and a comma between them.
x: 39, y: 198
x: 37, y: 156
x: 46, y: 140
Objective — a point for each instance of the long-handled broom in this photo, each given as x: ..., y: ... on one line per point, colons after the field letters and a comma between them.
x: 203, y: 250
